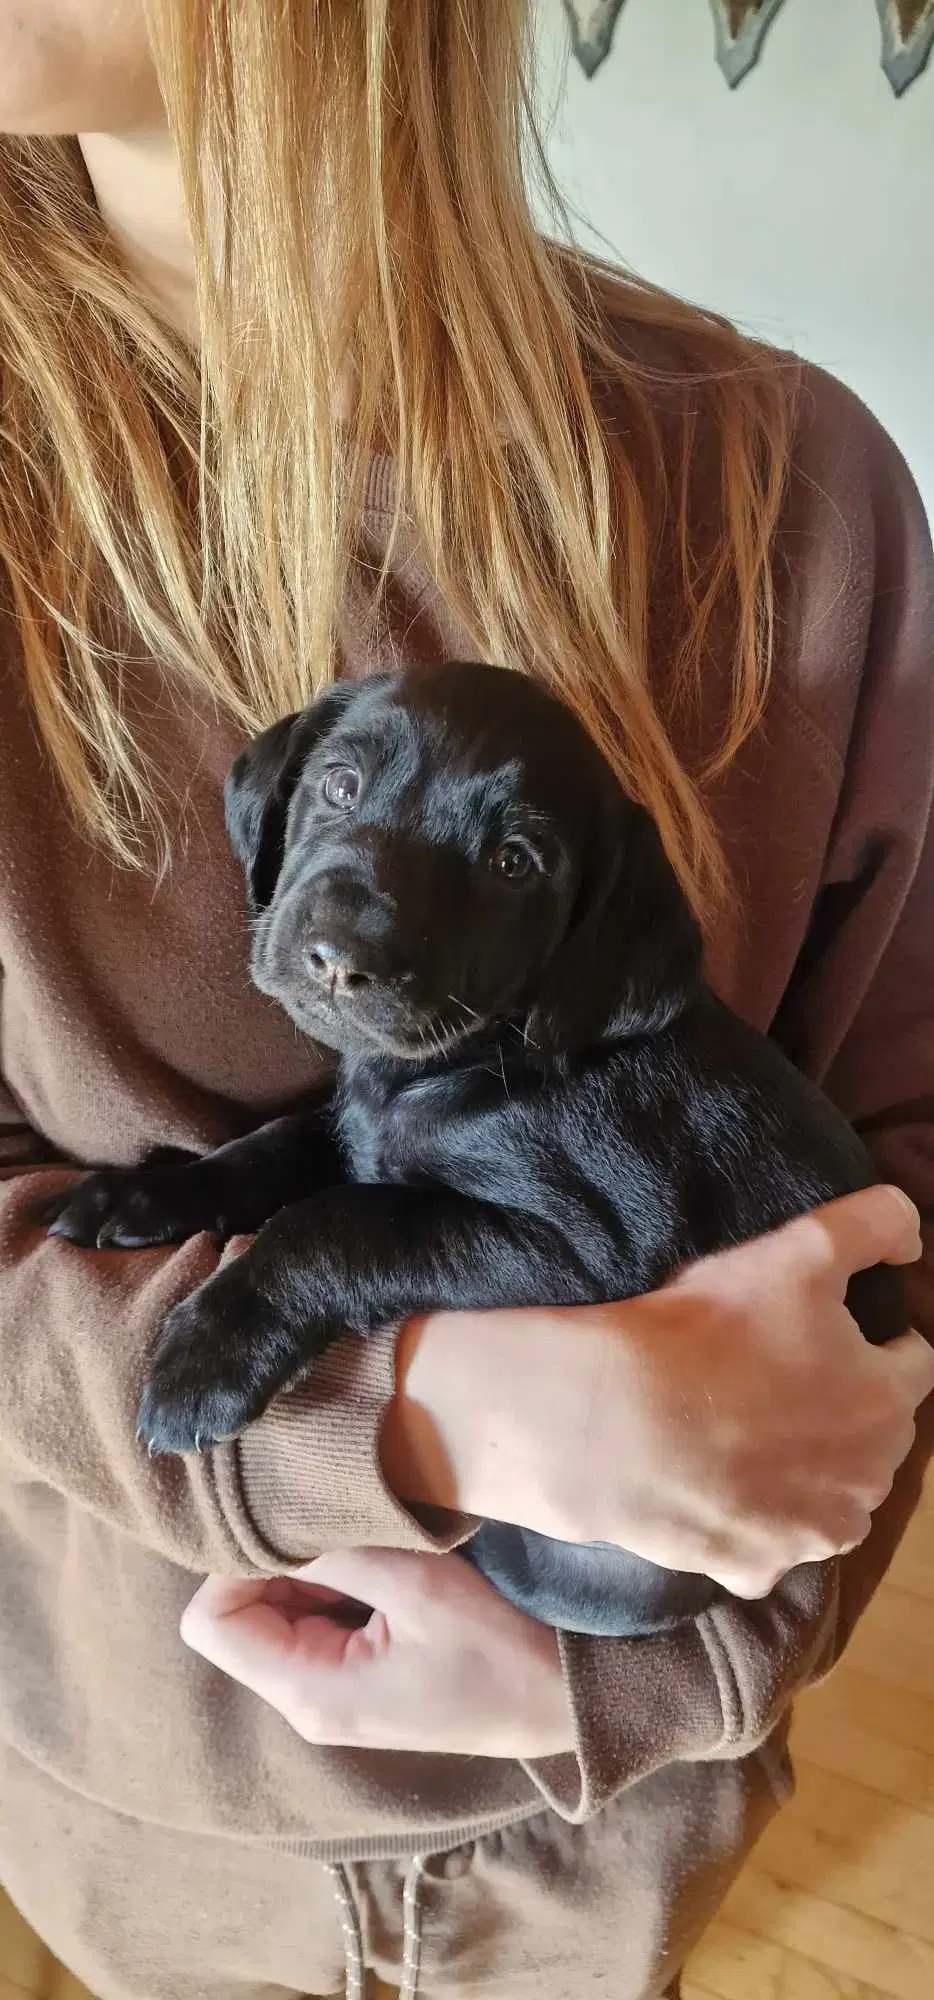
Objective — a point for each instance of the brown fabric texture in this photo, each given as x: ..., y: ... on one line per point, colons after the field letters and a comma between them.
x: 537, y: 1912
x: 128, y: 1020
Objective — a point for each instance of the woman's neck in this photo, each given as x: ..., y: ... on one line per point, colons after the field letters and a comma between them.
x: 138, y: 187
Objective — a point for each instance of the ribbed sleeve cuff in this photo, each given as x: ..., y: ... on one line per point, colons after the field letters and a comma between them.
x: 714, y: 1688
x: 636, y: 1704
x: 309, y: 1471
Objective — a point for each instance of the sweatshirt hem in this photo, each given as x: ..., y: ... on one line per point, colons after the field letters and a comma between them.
x: 411, y: 1840
x: 386, y: 1845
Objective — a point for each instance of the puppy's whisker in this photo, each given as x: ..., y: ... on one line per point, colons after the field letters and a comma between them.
x: 471, y: 1019
x: 442, y: 1034
x: 527, y: 1035
x: 471, y: 1011
x: 428, y: 1039
x: 449, y: 1032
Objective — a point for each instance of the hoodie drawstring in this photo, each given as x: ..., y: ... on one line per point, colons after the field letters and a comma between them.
x: 354, y: 1959
x: 412, y: 1928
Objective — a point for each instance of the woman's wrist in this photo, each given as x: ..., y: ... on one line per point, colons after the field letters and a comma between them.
x: 431, y: 1441
x: 416, y: 1452
x: 494, y: 1411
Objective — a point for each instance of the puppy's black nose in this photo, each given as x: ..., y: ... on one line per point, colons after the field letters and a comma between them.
x: 335, y: 966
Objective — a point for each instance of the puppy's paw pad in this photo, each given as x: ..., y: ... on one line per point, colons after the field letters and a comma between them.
x: 216, y: 1368
x: 179, y: 1416
x: 85, y: 1214
x: 134, y: 1209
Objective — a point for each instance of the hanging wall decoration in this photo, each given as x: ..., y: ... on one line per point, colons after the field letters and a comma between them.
x: 592, y: 24
x: 907, y: 39
x: 741, y: 26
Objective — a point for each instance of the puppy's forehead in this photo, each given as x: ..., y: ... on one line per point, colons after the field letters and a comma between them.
x: 471, y: 740
x: 491, y: 721
x: 430, y: 739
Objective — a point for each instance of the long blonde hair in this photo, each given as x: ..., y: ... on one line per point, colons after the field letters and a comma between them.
x: 357, y: 176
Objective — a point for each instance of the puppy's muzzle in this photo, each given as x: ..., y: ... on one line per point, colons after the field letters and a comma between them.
x: 352, y: 938
x: 342, y: 968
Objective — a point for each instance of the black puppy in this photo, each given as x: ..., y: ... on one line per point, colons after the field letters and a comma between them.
x: 539, y: 1102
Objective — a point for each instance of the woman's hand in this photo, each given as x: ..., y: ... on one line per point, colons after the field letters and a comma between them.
x: 437, y: 1662
x: 734, y: 1423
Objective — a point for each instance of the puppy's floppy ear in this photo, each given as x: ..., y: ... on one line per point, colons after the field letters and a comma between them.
x: 631, y: 958
x: 259, y: 788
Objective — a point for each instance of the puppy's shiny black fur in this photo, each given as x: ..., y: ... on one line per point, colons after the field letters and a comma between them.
x: 539, y: 1099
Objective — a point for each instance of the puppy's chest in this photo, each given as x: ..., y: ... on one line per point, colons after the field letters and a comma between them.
x: 409, y: 1134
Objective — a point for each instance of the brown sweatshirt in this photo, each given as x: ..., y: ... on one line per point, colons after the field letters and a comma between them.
x: 128, y: 1019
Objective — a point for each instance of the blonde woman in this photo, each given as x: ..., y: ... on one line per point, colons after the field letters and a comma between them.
x: 290, y: 387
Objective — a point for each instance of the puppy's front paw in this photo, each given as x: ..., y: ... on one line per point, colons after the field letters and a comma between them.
x: 135, y: 1208
x: 109, y: 1209
x: 222, y: 1356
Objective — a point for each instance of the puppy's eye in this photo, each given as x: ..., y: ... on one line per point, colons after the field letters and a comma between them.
x: 513, y: 860
x: 341, y: 787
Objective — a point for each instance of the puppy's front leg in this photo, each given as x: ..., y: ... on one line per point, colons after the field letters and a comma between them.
x: 229, y: 1192
x: 350, y: 1259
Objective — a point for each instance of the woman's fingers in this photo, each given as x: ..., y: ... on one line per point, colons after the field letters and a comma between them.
x: 242, y: 1637
x: 878, y: 1225
x: 271, y: 1632
x: 225, y: 1597
x: 392, y: 1580
x: 271, y: 1640
x: 911, y: 1361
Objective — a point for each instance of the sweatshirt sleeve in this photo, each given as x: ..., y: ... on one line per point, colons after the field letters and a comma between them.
x: 860, y: 1014
x: 859, y: 1017
x: 76, y: 1330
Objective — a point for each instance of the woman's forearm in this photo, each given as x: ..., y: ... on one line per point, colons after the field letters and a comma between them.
x: 735, y: 1423
x: 483, y: 1398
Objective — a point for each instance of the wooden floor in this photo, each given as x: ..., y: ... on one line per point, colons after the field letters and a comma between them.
x: 839, y: 1901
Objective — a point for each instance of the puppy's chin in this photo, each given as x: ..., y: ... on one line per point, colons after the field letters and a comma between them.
x: 353, y: 1034
x: 381, y: 1027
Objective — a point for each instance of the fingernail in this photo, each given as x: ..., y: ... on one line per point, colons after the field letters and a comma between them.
x: 907, y: 1204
